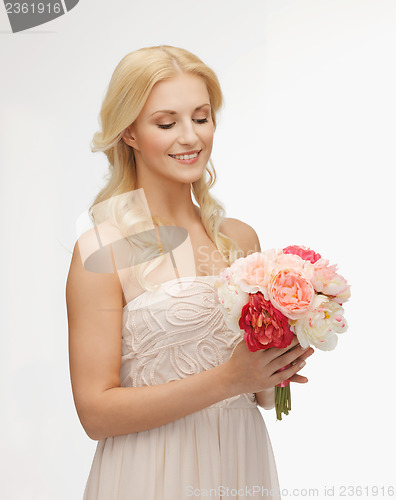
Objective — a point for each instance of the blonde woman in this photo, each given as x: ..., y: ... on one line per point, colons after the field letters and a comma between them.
x: 158, y: 379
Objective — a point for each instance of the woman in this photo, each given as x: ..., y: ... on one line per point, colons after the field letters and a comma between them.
x: 158, y: 379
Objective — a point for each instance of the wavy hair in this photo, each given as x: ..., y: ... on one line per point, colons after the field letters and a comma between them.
x: 129, y: 87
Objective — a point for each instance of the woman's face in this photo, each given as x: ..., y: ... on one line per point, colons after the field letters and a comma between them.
x: 173, y: 135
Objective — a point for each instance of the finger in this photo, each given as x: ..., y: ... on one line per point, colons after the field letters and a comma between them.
x: 275, y: 352
x: 278, y: 377
x: 287, y: 358
x: 299, y: 379
x: 306, y: 354
x: 303, y: 356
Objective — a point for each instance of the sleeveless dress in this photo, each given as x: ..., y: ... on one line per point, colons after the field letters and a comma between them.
x: 222, y: 451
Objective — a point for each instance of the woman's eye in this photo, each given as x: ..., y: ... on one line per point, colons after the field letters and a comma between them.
x: 165, y: 125
x: 170, y: 125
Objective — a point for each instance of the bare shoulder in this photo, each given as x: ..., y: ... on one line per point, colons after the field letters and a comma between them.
x: 92, y: 275
x: 243, y: 234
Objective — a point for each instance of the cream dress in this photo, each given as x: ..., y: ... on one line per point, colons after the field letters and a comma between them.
x: 222, y: 451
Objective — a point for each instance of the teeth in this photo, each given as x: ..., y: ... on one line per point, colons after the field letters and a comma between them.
x: 184, y: 157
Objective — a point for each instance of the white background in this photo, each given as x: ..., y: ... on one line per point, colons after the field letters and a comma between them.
x: 304, y: 153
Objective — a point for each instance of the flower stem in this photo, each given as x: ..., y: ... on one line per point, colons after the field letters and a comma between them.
x: 282, y: 401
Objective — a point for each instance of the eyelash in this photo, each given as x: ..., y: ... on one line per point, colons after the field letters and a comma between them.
x: 169, y: 125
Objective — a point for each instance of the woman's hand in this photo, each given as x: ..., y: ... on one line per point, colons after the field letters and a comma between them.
x: 266, y: 397
x: 252, y: 372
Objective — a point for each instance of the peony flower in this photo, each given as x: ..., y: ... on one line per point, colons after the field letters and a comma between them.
x: 286, y: 261
x: 326, y: 280
x: 303, y: 252
x: 320, y: 326
x: 291, y: 293
x: 231, y: 274
x: 264, y: 325
x: 231, y: 298
x: 344, y: 295
x: 255, y: 272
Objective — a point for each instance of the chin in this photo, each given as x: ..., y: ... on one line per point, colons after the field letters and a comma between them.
x: 197, y: 176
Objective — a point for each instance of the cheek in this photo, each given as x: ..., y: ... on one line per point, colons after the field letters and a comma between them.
x: 155, y: 144
x: 208, y: 137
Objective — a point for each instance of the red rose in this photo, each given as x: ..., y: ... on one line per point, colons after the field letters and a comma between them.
x: 264, y: 325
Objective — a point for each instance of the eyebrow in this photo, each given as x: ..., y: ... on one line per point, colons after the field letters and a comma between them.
x: 171, y: 112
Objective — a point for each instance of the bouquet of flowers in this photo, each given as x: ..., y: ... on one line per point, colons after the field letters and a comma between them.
x: 269, y: 296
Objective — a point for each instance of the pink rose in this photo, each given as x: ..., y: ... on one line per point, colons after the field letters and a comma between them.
x: 264, y: 325
x: 291, y: 293
x: 303, y: 252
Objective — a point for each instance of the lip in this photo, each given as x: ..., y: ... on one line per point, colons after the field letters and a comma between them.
x: 191, y: 160
x: 188, y: 152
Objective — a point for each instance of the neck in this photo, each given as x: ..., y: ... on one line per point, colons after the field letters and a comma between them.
x: 171, y: 202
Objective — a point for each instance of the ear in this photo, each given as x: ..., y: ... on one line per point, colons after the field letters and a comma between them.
x: 128, y: 137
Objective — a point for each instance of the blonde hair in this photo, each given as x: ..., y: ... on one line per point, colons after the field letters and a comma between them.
x: 129, y: 87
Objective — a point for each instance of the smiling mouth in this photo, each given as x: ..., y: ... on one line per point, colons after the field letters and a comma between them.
x: 186, y: 156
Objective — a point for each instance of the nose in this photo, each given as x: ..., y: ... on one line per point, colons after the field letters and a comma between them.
x: 188, y: 134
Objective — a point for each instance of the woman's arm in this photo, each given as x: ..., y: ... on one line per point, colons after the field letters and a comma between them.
x: 266, y: 398
x: 94, y: 307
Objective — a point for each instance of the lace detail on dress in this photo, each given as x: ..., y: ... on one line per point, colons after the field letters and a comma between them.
x: 175, y: 331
